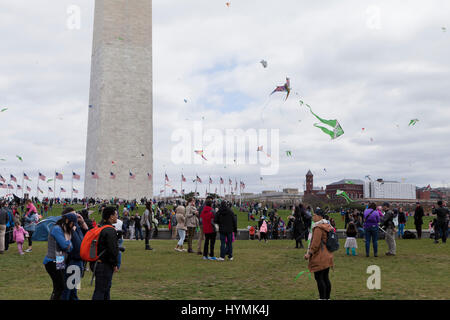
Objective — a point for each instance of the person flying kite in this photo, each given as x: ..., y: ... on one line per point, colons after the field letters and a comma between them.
x: 285, y: 88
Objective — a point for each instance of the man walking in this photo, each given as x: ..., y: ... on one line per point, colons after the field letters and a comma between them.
x: 441, y: 223
x: 108, y: 247
x: 388, y: 224
x: 418, y: 219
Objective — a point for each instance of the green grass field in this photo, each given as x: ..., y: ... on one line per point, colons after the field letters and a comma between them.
x: 260, y: 271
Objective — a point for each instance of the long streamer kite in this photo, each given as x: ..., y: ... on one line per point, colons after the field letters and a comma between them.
x: 4, y: 109
x: 285, y: 88
x: 336, y: 129
x: 344, y: 195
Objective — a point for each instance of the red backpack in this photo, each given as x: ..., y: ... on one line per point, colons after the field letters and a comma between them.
x: 89, y: 245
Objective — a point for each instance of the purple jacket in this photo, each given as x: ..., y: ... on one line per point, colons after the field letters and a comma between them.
x: 373, y: 219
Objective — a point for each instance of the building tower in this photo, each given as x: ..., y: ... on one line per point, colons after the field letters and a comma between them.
x: 120, y: 128
x: 309, y: 182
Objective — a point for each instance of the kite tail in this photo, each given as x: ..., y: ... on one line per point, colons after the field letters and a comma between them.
x: 325, y: 130
x: 331, y: 123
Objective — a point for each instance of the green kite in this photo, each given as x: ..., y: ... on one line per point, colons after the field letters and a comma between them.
x: 4, y: 109
x: 344, y: 195
x: 413, y: 122
x: 289, y: 153
x: 19, y: 157
x: 336, y: 129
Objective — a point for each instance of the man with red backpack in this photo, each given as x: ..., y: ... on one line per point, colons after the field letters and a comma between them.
x: 108, y: 252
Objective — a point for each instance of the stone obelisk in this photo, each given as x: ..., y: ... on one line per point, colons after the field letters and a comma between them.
x: 120, y: 128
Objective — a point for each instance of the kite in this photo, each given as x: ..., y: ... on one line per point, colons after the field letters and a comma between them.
x: 2, y: 159
x: 344, y: 195
x: 264, y: 63
x: 301, y: 102
x: 371, y: 139
x: 200, y: 152
x: 49, y: 180
x: 261, y: 149
x: 19, y: 157
x: 413, y: 122
x: 324, y: 169
x: 185, y: 101
x: 368, y: 177
x: 285, y: 88
x: 349, y: 182
x: 228, y: 4
x: 444, y: 29
x: 363, y: 129
x: 4, y: 109
x: 336, y: 131
x: 289, y: 153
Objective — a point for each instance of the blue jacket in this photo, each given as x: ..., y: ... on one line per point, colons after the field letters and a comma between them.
x: 30, y: 222
x: 77, y: 238
x: 10, y: 222
x: 57, y: 233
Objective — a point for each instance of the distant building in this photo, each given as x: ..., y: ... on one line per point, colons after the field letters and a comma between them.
x: 353, y: 187
x: 310, y: 189
x: 389, y: 190
x: 287, y: 196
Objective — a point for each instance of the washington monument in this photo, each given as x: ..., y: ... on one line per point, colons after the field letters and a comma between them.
x: 120, y: 129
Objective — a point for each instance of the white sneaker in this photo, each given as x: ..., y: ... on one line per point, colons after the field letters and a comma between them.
x: 28, y: 250
x: 220, y: 259
x: 231, y: 259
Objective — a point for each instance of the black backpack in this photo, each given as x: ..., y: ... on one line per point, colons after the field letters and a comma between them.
x: 332, y: 241
x: 408, y: 235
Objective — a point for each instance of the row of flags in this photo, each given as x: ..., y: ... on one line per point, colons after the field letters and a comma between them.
x: 42, y: 177
x: 198, y: 179
x: 94, y: 175
x: 19, y: 187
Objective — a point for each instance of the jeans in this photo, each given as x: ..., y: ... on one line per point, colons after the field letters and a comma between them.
x: 138, y: 233
x: 441, y: 231
x: 71, y: 294
x: 401, y: 227
x: 226, y: 247
x: 119, y: 258
x: 371, y: 232
x: 323, y: 283
x: 210, y: 239
x: 419, y: 231
x: 361, y: 232
x: 103, y: 281
x: 57, y: 277
x: 182, y: 235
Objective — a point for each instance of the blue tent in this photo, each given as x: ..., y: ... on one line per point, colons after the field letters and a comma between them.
x: 43, y: 228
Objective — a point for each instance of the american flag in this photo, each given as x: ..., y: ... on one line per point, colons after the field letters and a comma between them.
x: 75, y: 176
x: 94, y: 175
x: 167, y: 178
x: 182, y: 191
x: 13, y: 178
x: 2, y: 179
x: 132, y: 176
x: 221, y: 180
x: 112, y: 175
x: 242, y: 185
x: 42, y: 177
x: 260, y: 149
x: 149, y: 176
x: 75, y: 190
x: 183, y: 178
x: 58, y: 176
x: 210, y: 180
x: 174, y: 191
x: 230, y: 182
x: 39, y: 189
x: 19, y: 187
x: 2, y: 186
x: 63, y: 190
x: 28, y: 189
x: 10, y: 186
x: 26, y: 177
x: 50, y: 189
x: 198, y: 179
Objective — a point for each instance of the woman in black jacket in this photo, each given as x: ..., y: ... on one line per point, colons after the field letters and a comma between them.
x: 299, y: 227
x: 226, y: 220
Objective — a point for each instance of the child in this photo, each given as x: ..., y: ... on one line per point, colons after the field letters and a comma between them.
x: 252, y: 233
x: 350, y: 242
x: 19, y: 235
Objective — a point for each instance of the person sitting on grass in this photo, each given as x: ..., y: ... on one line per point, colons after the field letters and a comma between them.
x: 350, y: 242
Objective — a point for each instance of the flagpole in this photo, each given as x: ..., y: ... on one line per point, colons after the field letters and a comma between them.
x: 54, y: 189
x: 37, y: 188
x: 129, y: 184
x: 196, y: 180
x: 71, y: 192
x: 181, y: 188
x: 165, y: 175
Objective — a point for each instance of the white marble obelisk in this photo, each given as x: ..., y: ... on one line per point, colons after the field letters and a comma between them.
x: 120, y: 128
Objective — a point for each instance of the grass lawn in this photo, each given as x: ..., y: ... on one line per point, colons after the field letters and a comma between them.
x: 260, y: 271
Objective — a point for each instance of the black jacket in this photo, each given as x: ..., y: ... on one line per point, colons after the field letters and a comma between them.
x: 388, y: 220
x: 442, y: 214
x: 418, y: 214
x: 226, y: 220
x: 108, y: 242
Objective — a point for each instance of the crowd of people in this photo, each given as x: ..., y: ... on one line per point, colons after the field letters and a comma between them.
x: 201, y: 220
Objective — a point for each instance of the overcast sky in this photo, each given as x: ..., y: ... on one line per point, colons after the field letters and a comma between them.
x: 369, y: 64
